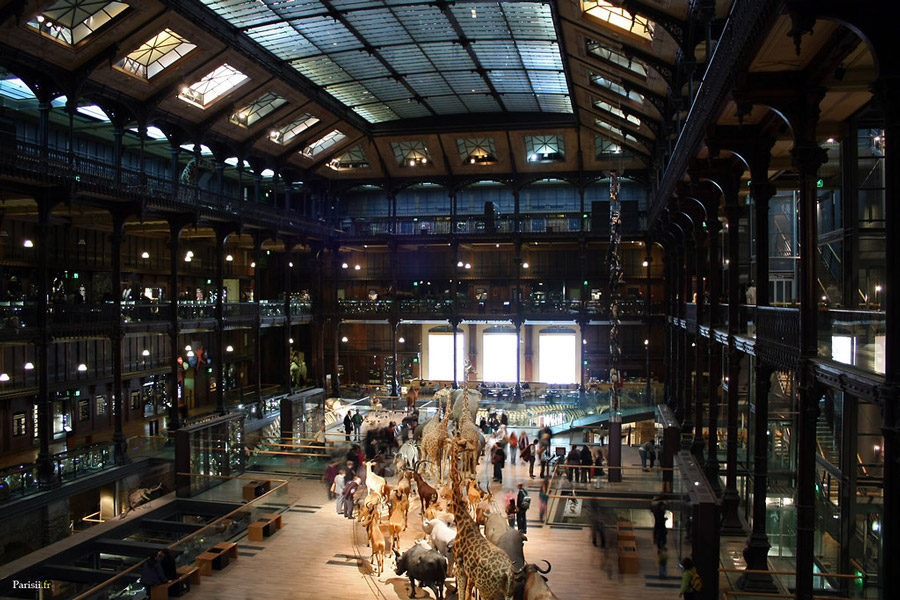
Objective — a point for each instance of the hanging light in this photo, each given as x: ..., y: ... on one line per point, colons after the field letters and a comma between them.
x: 524, y: 265
x: 29, y: 366
x: 229, y: 258
x: 190, y: 354
x: 253, y: 265
x: 28, y: 244
x: 290, y: 340
x: 145, y: 254
x: 344, y: 339
x: 344, y: 265
x: 291, y: 265
x: 145, y: 353
x: 4, y: 377
x: 400, y: 340
x: 229, y: 348
x: 82, y: 368
x: 356, y: 267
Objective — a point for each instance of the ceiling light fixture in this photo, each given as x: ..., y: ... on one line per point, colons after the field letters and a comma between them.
x: 29, y: 366
x: 82, y: 368
x: 229, y: 258
x: 28, y: 244
x: 4, y: 377
x: 145, y: 254
x: 229, y: 348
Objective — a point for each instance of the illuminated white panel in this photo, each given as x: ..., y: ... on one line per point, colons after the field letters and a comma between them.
x: 843, y: 349
x: 558, y: 358
x: 499, y: 352
x: 440, y: 356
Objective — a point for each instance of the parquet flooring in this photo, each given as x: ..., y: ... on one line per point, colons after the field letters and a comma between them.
x: 321, y: 555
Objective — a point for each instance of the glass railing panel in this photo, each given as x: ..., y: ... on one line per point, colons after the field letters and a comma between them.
x: 853, y: 337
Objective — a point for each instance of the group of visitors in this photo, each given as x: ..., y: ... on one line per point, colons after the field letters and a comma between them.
x: 159, y: 569
x: 517, y: 509
x: 352, y: 424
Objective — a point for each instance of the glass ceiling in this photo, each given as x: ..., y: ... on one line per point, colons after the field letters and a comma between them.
x: 154, y: 55
x: 399, y: 59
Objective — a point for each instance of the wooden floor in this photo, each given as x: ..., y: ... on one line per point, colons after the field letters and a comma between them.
x: 319, y: 554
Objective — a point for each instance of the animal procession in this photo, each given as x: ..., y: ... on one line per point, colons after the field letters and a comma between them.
x: 463, y: 534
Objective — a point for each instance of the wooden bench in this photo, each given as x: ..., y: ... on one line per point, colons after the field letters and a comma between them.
x: 187, y: 575
x: 255, y: 489
x: 217, y: 557
x: 264, y: 526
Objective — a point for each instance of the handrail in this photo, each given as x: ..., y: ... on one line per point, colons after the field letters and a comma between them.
x: 765, y: 571
x: 117, y: 576
x: 865, y: 574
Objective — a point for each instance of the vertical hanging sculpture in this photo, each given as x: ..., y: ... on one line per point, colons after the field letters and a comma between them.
x: 615, y: 279
x: 615, y: 346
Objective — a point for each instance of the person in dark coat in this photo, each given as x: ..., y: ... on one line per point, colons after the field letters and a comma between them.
x: 573, y: 459
x: 167, y: 561
x: 152, y: 572
x: 498, y: 459
x: 587, y: 460
x: 348, y: 426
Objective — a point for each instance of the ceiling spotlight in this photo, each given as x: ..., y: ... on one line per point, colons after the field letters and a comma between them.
x: 524, y: 265
x: 190, y: 253
x: 646, y: 342
x: 645, y: 264
x: 290, y: 340
x: 29, y: 366
x: 229, y: 348
x: 82, y: 368
x: 468, y: 265
x: 344, y: 265
x: 28, y: 244
x: 291, y: 265
x: 229, y: 258
x: 145, y: 353
x: 344, y: 339
x: 187, y: 259
x: 145, y: 254
x: 584, y: 341
x: 253, y: 265
x: 356, y: 267
x: 459, y: 264
x: 188, y: 348
x: 400, y: 340
x: 4, y: 377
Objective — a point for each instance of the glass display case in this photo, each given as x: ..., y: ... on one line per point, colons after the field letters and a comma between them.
x: 209, y: 451
x: 302, y: 414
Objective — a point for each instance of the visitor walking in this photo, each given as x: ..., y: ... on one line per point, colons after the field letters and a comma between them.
x: 544, y: 496
x: 348, y: 426
x: 690, y: 579
x: 528, y: 454
x: 357, y: 424
x: 523, y: 503
x: 513, y: 447
x: 337, y: 489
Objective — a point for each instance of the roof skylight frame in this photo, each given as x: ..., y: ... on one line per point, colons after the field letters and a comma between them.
x: 71, y: 22
x: 411, y: 153
x: 614, y: 57
x: 604, y: 147
x: 545, y: 148
x: 326, y: 142
x: 477, y: 151
x: 603, y: 82
x: 213, y: 86
x: 619, y: 18
x: 284, y: 134
x: 355, y: 158
x: 256, y: 110
x: 155, y: 55
x: 603, y: 105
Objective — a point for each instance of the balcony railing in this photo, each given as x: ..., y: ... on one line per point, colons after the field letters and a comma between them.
x: 358, y: 307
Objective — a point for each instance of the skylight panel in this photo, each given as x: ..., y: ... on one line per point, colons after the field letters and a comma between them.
x: 411, y: 154
x: 379, y: 27
x: 72, y: 21
x: 361, y: 65
x: 93, y: 111
x: 408, y: 59
x: 529, y: 20
x: 243, y: 13
x: 282, y: 40
x: 352, y: 93
x: 322, y: 70
x: 330, y: 140
x: 429, y: 84
x: 154, y: 55
x: 446, y: 105
x: 481, y: 103
x: 614, y: 87
x: 600, y: 104
x: 608, y: 126
x: 285, y: 134
x: 256, y: 110
x: 497, y: 54
x: 153, y: 132
x: 375, y: 112
x: 603, y: 148
x: 448, y: 57
x: 615, y: 57
x: 545, y: 148
x: 510, y: 82
x: 425, y: 23
x: 204, y: 149
x: 352, y: 159
x: 329, y: 35
x: 559, y: 103
x: 212, y: 86
x: 477, y: 151
x: 15, y: 89
x: 548, y: 82
x: 408, y: 109
x: 619, y: 18
x: 521, y: 102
